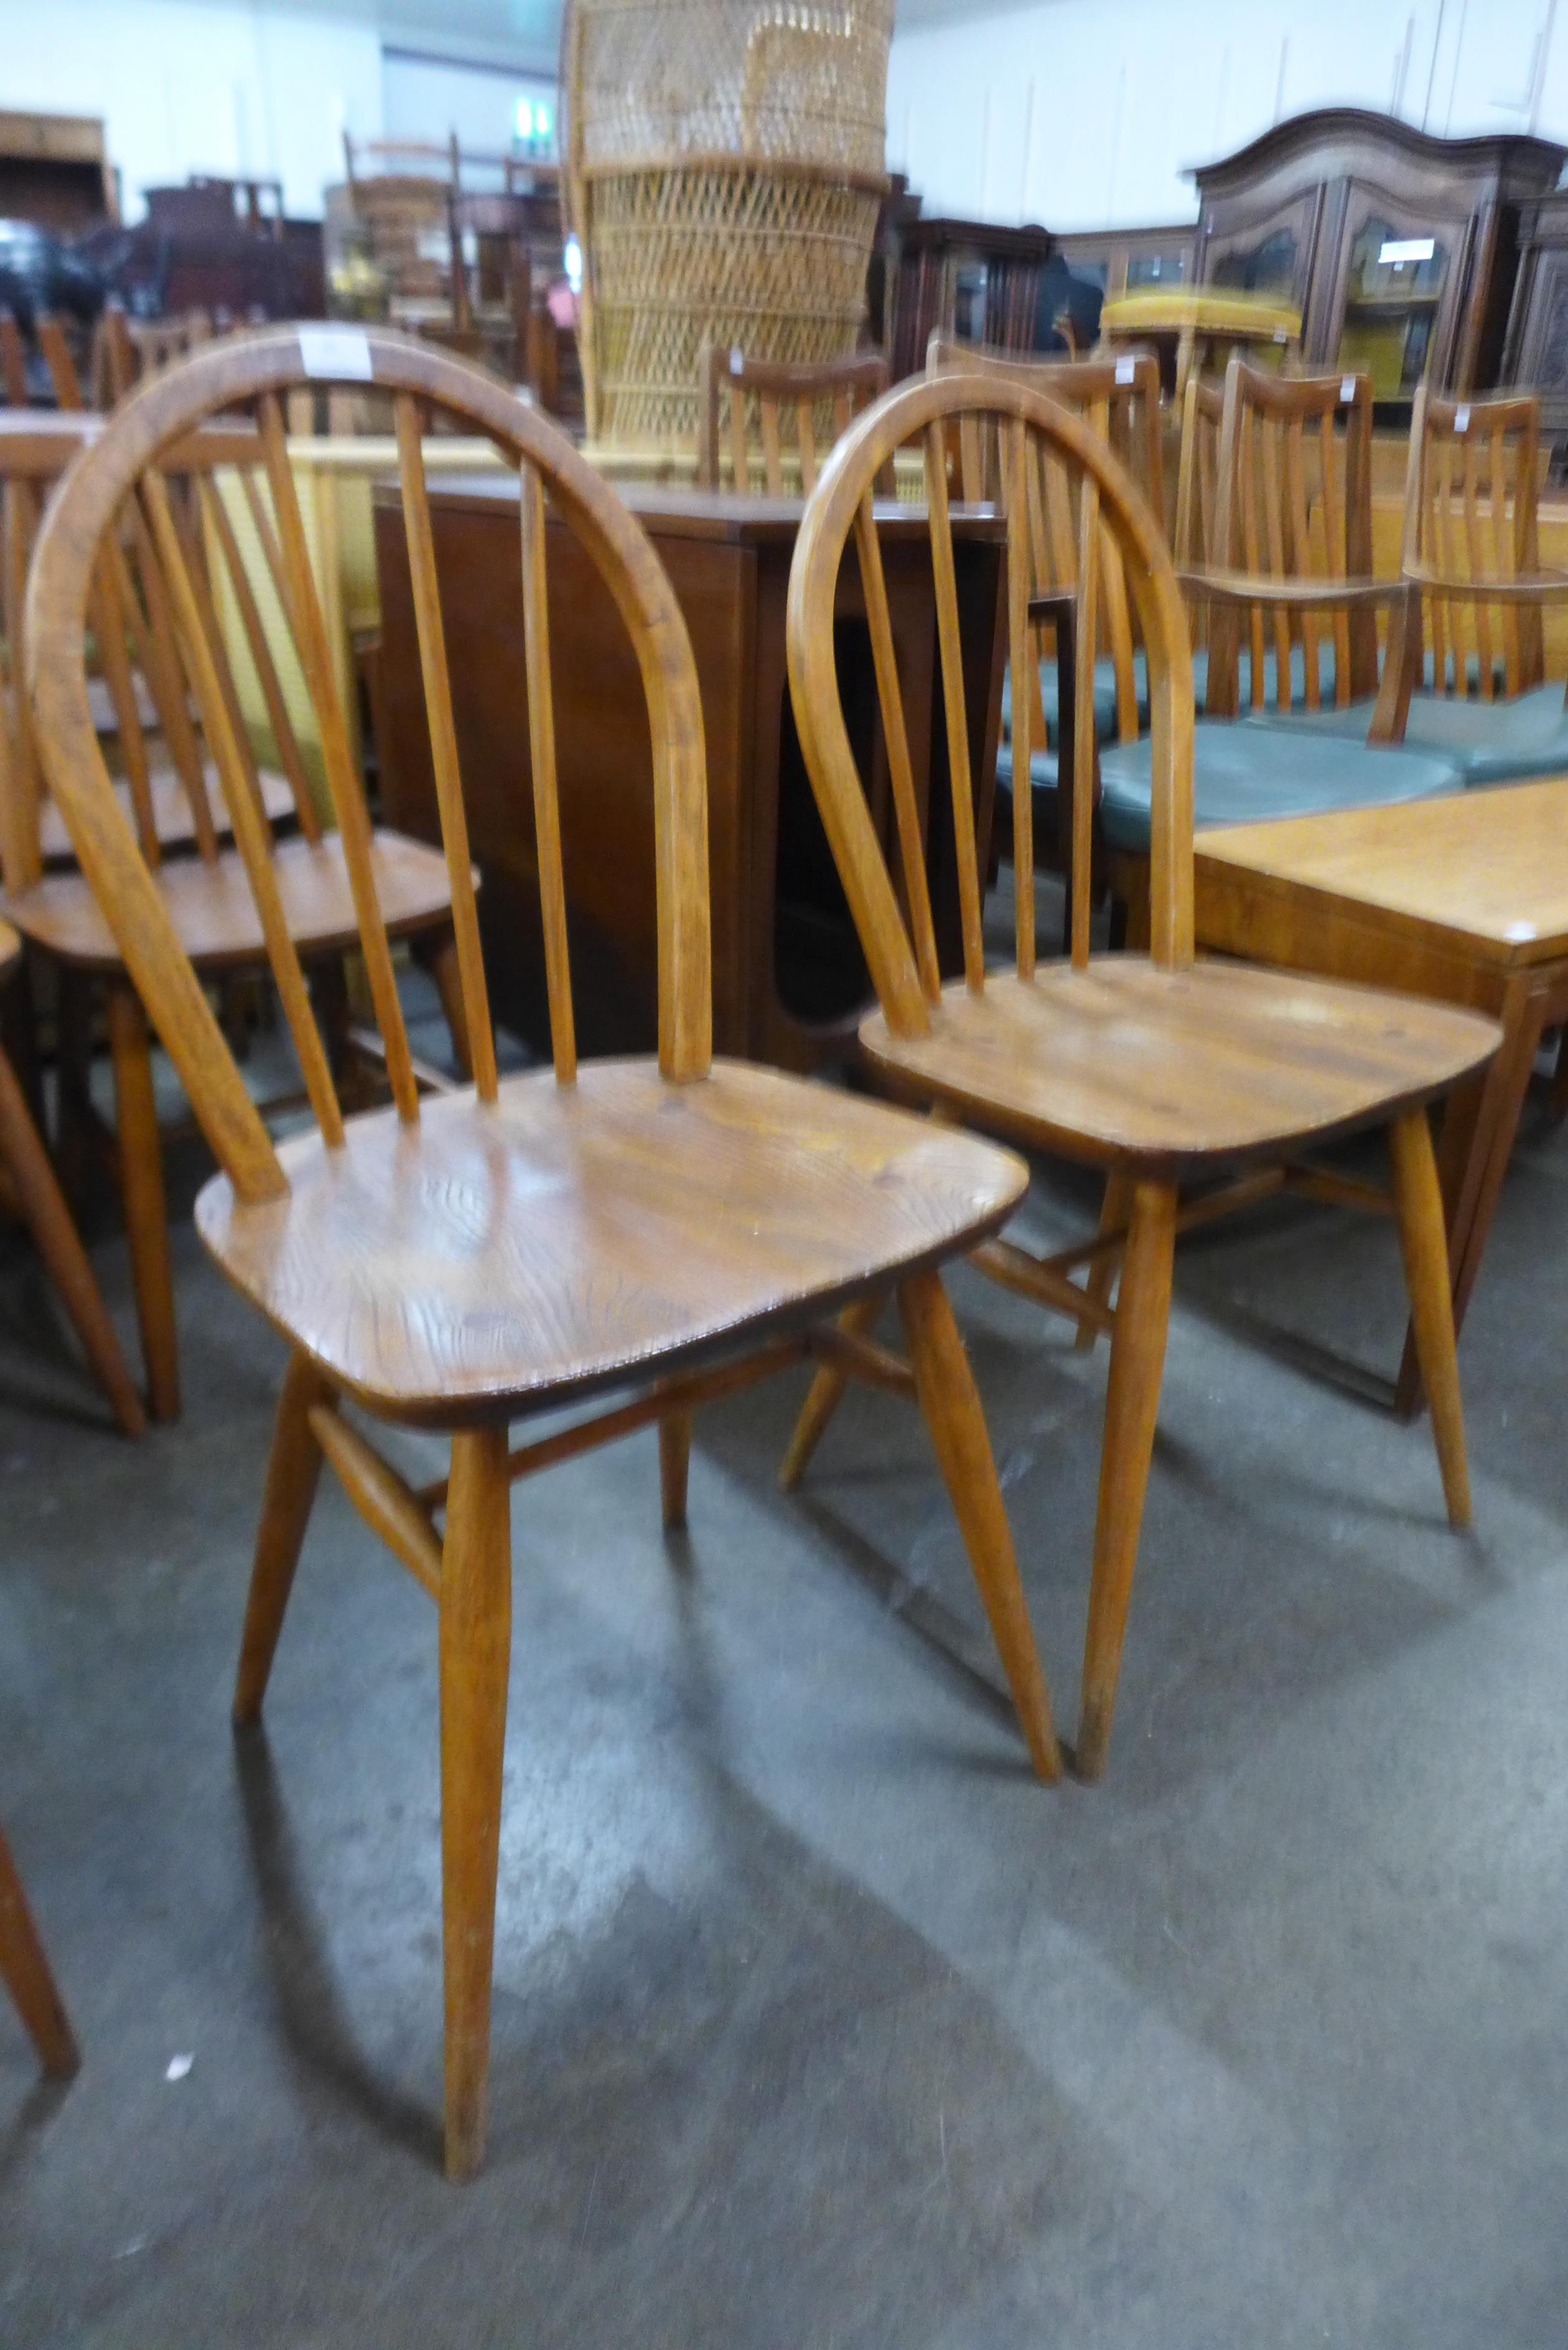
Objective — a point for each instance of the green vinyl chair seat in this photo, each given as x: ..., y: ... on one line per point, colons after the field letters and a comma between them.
x: 1245, y: 773
x: 1489, y: 742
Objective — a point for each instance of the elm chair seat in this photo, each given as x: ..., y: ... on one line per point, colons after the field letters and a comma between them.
x: 1488, y: 742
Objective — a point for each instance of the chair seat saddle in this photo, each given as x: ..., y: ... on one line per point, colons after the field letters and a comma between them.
x: 170, y: 810
x: 1126, y: 1063
x: 214, y: 913
x: 568, y: 1237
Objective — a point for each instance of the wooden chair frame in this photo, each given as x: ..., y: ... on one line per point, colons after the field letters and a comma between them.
x: 257, y: 1215
x: 25, y: 1971
x: 728, y: 379
x: 1083, y: 1058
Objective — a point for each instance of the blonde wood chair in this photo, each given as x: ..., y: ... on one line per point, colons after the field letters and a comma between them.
x: 1192, y: 1083
x: 34, y: 1191
x: 59, y: 358
x: 792, y: 406
x: 675, y: 1228
x: 13, y: 362
x: 24, y: 1968
x: 151, y: 609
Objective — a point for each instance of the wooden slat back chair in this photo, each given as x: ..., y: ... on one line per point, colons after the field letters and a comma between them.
x: 25, y: 1971
x: 60, y: 361
x: 1293, y: 538
x: 513, y: 1246
x: 168, y: 775
x: 162, y: 572
x: 1119, y: 398
x: 801, y: 410
x: 1471, y: 542
x: 1165, y: 1071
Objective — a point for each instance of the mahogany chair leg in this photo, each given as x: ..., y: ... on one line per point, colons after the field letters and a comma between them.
x: 1424, y: 1245
x: 945, y: 1386
x: 26, y: 1974
x: 1132, y: 1406
x: 49, y: 1219
x: 825, y: 1393
x: 141, y: 1185
x: 442, y: 962
x: 674, y: 1460
x: 293, y: 1469
x: 475, y: 1654
x: 1115, y: 1208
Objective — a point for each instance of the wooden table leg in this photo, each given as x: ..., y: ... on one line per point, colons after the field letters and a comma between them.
x: 1474, y: 1161
x: 141, y: 1186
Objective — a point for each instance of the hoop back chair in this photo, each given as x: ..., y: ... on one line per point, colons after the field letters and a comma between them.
x: 1164, y: 1070
x: 795, y: 408
x: 510, y: 1247
x: 163, y: 575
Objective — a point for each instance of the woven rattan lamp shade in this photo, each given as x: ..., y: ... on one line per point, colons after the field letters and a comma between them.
x: 726, y: 173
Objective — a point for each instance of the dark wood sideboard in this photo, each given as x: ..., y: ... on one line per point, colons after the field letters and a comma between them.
x: 788, y: 977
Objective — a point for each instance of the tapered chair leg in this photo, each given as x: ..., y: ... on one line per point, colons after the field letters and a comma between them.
x: 1115, y: 1208
x: 26, y: 1974
x: 293, y: 1469
x: 825, y: 1394
x: 50, y: 1219
x: 1132, y: 1405
x: 1423, y: 1241
x: 475, y: 1652
x: 141, y: 1186
x: 674, y: 1461
x: 945, y: 1386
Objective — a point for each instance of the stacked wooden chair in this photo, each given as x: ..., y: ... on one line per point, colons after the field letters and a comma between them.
x: 798, y: 411
x: 1290, y: 607
x: 674, y: 1228
x: 1471, y: 557
x: 191, y: 785
x: 1193, y: 1085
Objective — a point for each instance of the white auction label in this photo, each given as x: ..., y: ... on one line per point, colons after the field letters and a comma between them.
x: 340, y: 354
x: 1347, y: 392
x: 1462, y: 419
x: 1126, y: 370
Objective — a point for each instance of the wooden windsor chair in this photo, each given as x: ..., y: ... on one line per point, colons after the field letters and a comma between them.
x: 1166, y: 1072
x: 678, y: 1227
x: 153, y: 600
x: 729, y: 381
x: 1289, y: 609
x: 29, y: 1177
x: 25, y: 1971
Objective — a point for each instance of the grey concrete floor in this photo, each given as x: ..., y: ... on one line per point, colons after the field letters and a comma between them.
x: 818, y: 2021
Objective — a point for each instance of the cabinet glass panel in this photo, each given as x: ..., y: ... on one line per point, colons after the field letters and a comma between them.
x: 1145, y: 269
x: 1392, y: 291
x: 1267, y: 268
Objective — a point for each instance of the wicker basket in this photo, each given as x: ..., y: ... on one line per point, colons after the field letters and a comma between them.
x: 726, y: 175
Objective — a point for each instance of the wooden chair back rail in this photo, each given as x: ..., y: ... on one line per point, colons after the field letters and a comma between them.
x: 903, y: 960
x: 117, y: 485
x: 731, y: 385
x: 1294, y: 504
x: 1121, y: 398
x: 1471, y: 523
x: 135, y: 615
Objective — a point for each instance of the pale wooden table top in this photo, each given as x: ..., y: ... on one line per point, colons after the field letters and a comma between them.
x: 1488, y: 869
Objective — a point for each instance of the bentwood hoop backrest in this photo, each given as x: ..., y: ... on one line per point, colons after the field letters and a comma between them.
x: 1294, y: 503
x: 142, y: 660
x: 1119, y: 398
x: 805, y: 408
x: 1471, y: 504
x: 903, y: 959
x: 120, y: 474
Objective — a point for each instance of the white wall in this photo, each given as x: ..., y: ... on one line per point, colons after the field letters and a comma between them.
x: 217, y: 88
x: 424, y: 97
x: 1081, y: 114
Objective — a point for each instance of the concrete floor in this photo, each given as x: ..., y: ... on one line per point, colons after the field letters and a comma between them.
x: 818, y: 2021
